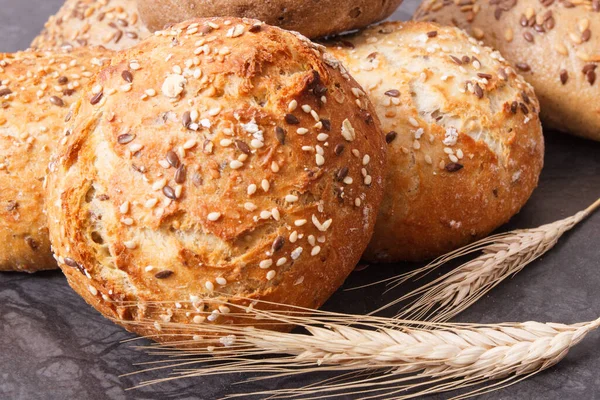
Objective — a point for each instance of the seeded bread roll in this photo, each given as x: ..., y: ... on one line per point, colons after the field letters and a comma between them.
x: 245, y: 164
x: 555, y: 45
x: 465, y: 141
x: 36, y: 92
x: 309, y: 17
x: 113, y: 24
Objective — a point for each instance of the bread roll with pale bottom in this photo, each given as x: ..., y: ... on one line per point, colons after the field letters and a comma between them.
x: 113, y: 24
x: 36, y: 92
x: 555, y: 45
x: 222, y: 158
x: 465, y: 141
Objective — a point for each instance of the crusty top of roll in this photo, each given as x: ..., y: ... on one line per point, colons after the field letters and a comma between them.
x: 219, y: 158
x: 37, y: 89
x: 465, y: 140
x: 555, y: 45
x: 113, y: 24
x: 309, y: 17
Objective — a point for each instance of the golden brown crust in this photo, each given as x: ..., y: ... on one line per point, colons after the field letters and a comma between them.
x: 554, y: 44
x: 114, y: 24
x: 36, y: 93
x: 466, y: 147
x: 209, y: 166
x: 312, y: 19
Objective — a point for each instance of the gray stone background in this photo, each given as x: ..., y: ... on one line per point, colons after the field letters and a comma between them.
x: 54, y: 346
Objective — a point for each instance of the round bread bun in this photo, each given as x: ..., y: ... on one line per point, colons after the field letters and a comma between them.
x: 555, y: 45
x: 240, y: 162
x: 465, y: 141
x: 311, y: 18
x: 113, y: 24
x: 36, y: 91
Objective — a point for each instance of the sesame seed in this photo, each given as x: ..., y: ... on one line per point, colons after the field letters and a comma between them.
x: 296, y: 253
x: 251, y: 189
x: 316, y: 250
x: 290, y: 198
x: 221, y: 281
x: 292, y: 106
x: 293, y: 237
x: 265, y: 185
x: 250, y: 206
x: 300, y: 222
x: 235, y: 164
x: 392, y: 93
x: 302, y: 131
x: 348, y: 180
x: 413, y: 122
x: 322, y: 137
x: 281, y: 261
x: 134, y: 148
x: 348, y: 131
x: 93, y: 290
x: 320, y: 159
x: 124, y: 208
x: 266, y: 264
x: 271, y: 274
x: 209, y: 286
x: 224, y: 309
x: 151, y: 203
x: 211, y: 318
x: 130, y: 244
x: 214, y: 216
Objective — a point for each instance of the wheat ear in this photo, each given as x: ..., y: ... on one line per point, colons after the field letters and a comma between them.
x: 502, y: 256
x: 373, y: 357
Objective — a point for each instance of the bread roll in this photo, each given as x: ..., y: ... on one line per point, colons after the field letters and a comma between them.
x: 221, y: 158
x: 465, y: 141
x: 555, y: 45
x: 309, y: 17
x: 114, y: 24
x: 36, y: 92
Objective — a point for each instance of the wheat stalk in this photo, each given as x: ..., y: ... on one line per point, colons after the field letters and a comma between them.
x: 502, y: 256
x: 373, y: 357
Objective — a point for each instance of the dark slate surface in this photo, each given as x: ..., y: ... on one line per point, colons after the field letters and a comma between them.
x: 54, y: 346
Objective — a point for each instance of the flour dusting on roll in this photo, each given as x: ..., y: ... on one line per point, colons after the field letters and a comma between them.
x: 36, y: 92
x: 465, y: 141
x: 219, y: 158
